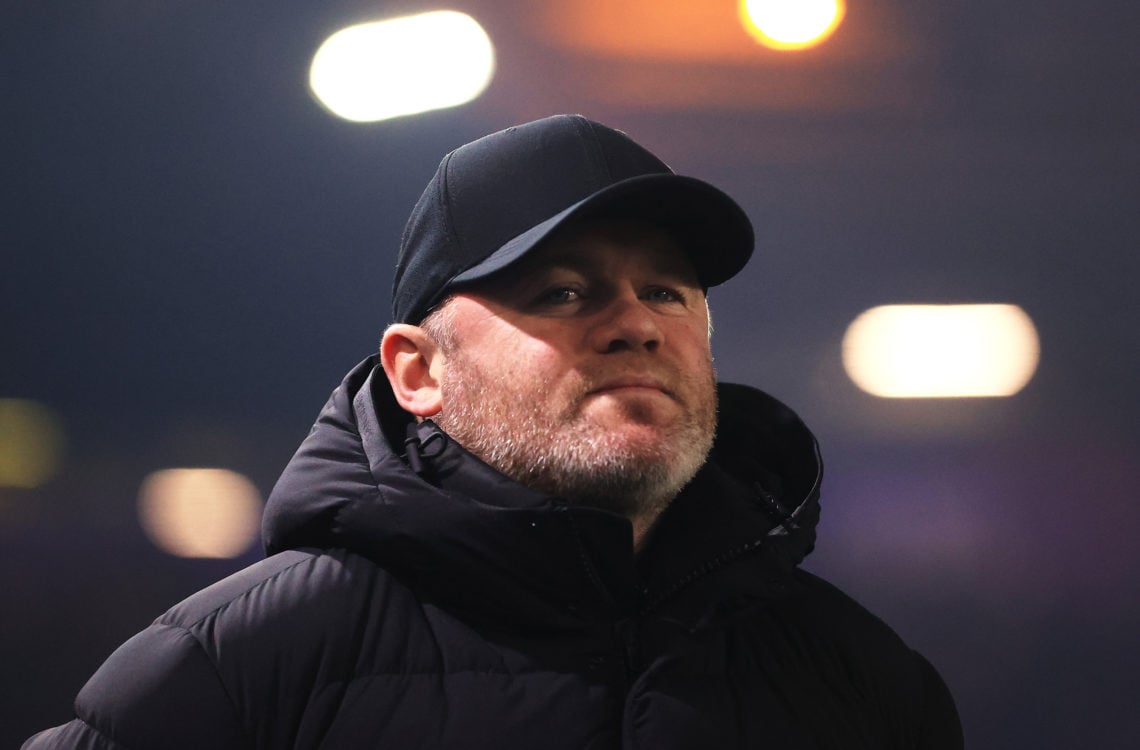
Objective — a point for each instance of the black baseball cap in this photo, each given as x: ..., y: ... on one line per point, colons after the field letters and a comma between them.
x: 494, y: 200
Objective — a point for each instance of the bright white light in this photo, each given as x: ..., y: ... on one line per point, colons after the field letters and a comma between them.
x: 31, y: 442
x: 402, y: 66
x: 791, y: 24
x: 923, y: 351
x: 200, y: 512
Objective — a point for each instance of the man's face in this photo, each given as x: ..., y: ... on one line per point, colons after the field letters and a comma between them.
x: 586, y: 372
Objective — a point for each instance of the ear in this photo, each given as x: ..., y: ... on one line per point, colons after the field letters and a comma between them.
x: 414, y: 365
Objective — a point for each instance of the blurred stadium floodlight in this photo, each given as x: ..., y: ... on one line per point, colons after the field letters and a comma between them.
x: 791, y: 24
x: 930, y: 351
x: 402, y: 66
x: 31, y: 443
x: 200, y: 512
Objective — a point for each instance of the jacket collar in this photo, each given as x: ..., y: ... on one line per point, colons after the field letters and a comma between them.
x: 458, y: 526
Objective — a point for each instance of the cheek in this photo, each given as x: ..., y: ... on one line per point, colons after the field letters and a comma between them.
x: 550, y: 366
x: 692, y: 343
x: 537, y: 360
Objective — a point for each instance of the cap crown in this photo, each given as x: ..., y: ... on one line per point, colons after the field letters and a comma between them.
x: 487, y: 192
x: 496, y: 199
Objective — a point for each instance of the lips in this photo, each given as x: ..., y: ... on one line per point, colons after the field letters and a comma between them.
x: 632, y: 383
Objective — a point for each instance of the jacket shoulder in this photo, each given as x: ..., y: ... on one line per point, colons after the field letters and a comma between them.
x: 256, y: 644
x: 274, y: 581
x: 832, y: 616
x: 299, y: 613
x: 902, y: 677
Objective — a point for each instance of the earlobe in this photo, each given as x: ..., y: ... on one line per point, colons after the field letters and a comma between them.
x: 413, y: 363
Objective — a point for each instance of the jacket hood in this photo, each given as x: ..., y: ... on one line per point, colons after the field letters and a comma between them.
x: 349, y: 485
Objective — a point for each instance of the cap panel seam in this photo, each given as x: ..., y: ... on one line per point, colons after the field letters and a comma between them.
x: 600, y: 157
x: 443, y: 197
x: 445, y: 202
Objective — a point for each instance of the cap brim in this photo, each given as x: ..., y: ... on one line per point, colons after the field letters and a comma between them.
x: 709, y: 224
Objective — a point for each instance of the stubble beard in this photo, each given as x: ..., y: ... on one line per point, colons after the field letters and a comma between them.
x: 566, y: 454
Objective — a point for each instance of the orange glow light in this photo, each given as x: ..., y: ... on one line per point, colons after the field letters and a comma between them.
x: 791, y: 24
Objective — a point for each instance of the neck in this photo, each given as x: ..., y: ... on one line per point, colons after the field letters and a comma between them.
x: 643, y: 525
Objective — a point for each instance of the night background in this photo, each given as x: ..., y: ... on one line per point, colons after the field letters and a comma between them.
x: 195, y: 251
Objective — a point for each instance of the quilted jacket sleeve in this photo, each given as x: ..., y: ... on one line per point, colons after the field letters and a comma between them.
x: 158, y: 690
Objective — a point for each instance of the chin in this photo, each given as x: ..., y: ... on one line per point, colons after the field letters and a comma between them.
x: 640, y: 413
x: 629, y: 432
x: 646, y: 443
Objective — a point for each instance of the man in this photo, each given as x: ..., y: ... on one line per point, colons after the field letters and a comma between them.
x: 521, y: 525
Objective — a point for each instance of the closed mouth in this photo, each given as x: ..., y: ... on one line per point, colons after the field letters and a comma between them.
x: 632, y: 385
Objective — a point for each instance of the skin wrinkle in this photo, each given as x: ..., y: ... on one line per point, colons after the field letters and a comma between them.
x: 523, y: 399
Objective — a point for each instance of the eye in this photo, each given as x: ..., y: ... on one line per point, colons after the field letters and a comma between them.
x: 664, y: 294
x: 559, y: 295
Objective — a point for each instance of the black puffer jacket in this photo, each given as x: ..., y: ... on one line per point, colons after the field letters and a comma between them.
x: 429, y: 602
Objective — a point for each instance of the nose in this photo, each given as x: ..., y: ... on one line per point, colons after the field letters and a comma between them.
x: 626, y: 323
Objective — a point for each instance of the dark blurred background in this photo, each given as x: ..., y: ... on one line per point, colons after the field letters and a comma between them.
x: 194, y: 251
